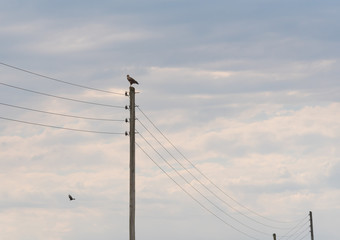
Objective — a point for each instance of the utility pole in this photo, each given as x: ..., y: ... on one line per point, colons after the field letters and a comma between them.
x: 132, y: 163
x: 274, y: 236
x: 311, y: 225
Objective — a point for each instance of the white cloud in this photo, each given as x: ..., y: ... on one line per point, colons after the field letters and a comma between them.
x: 21, y: 29
x: 85, y: 38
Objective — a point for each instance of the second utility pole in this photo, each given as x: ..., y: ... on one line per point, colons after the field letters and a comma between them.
x: 132, y: 163
x: 311, y: 225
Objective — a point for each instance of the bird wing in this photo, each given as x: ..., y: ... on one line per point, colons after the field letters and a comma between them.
x: 131, y: 80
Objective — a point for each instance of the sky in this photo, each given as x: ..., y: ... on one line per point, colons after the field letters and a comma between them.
x: 237, y: 119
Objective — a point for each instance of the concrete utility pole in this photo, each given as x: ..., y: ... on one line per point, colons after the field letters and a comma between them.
x: 132, y: 163
x: 311, y: 225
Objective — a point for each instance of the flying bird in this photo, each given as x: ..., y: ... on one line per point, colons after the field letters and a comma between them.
x: 71, y: 198
x: 131, y: 80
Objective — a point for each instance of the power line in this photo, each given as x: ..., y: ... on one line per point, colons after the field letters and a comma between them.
x: 61, y: 114
x: 199, y: 192
x: 204, y: 185
x: 64, y: 128
x: 297, y: 236
x: 201, y: 182
x: 64, y: 98
x: 207, y: 178
x: 304, y: 236
x: 58, y: 80
x: 193, y: 198
x: 294, y: 230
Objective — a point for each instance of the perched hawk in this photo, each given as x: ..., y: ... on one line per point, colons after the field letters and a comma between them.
x: 71, y: 198
x: 131, y: 80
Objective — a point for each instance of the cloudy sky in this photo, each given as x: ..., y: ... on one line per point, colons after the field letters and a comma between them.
x: 238, y: 119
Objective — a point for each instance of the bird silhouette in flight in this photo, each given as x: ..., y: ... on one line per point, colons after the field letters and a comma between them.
x: 131, y: 80
x: 71, y: 198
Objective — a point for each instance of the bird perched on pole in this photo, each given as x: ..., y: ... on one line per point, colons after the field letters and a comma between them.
x: 131, y: 80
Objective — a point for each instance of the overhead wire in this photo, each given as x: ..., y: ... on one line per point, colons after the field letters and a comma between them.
x: 199, y: 192
x: 207, y: 178
x: 195, y: 178
x: 64, y: 98
x: 294, y: 230
x: 58, y: 80
x: 296, y: 234
x: 61, y: 114
x: 59, y: 97
x: 304, y: 236
x: 204, y: 185
x: 299, y: 235
x: 193, y: 198
x: 64, y: 128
